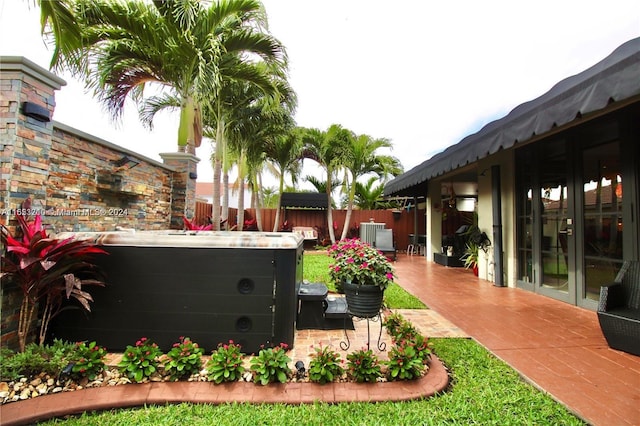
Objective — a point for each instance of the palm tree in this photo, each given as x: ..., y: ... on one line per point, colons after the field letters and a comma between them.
x: 251, y: 119
x: 271, y: 82
x: 269, y: 197
x: 321, y: 185
x: 188, y: 48
x: 284, y: 152
x: 259, y: 126
x: 362, y: 159
x: 328, y: 148
x: 368, y: 196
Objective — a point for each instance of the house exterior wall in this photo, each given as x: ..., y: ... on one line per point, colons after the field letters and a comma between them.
x: 486, y: 266
x: 434, y: 220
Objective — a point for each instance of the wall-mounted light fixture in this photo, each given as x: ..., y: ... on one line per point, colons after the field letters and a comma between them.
x: 126, y: 162
x: 483, y: 173
x: 193, y: 175
x: 35, y: 111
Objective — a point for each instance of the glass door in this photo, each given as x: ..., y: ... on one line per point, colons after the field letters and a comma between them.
x: 602, y: 217
x: 555, y: 228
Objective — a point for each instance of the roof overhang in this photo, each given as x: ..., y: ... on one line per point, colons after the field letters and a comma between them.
x: 303, y: 200
x: 612, y: 81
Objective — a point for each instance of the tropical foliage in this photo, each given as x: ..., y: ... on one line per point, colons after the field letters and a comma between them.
x: 193, y: 54
x: 218, y: 65
x: 48, y: 271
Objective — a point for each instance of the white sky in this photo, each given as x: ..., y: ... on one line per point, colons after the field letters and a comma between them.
x: 422, y: 73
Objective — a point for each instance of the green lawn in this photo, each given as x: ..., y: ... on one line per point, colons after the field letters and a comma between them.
x: 485, y: 391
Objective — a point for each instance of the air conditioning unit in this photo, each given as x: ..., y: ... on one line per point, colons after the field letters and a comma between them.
x: 368, y: 231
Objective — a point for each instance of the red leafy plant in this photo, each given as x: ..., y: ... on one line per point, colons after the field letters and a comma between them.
x: 47, y: 270
x: 189, y: 225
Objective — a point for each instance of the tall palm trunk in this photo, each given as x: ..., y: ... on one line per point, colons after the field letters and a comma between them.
x: 332, y: 235
x: 347, y: 219
x: 259, y: 203
x: 217, y: 170
x: 241, y: 178
x: 276, y: 223
x: 224, y: 214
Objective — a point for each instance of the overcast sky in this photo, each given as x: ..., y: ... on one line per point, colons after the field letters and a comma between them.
x: 423, y: 74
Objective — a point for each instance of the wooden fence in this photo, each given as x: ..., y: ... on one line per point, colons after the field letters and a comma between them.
x: 402, y: 222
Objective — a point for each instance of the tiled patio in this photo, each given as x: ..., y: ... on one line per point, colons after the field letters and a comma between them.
x: 557, y: 347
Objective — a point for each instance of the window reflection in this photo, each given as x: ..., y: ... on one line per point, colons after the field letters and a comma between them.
x: 602, y: 187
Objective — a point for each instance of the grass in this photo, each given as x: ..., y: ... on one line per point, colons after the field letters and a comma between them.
x: 485, y: 391
x: 316, y: 270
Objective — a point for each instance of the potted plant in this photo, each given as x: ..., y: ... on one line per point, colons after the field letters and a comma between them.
x: 470, y: 257
x: 362, y: 273
x: 475, y: 240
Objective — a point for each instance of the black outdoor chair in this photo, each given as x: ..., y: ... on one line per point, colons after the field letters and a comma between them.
x: 619, y: 309
x: 384, y: 242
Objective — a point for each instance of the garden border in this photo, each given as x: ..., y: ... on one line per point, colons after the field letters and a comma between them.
x: 45, y: 407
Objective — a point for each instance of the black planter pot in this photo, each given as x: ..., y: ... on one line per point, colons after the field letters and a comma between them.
x: 363, y: 301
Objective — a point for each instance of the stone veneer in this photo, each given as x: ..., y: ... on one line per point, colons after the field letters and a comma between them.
x: 74, y: 179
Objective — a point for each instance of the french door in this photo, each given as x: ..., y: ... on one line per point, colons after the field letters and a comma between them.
x: 570, y: 217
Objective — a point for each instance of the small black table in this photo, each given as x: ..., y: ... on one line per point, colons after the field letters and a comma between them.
x: 317, y: 311
x: 312, y: 299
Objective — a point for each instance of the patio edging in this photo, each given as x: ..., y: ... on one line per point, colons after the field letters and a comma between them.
x: 160, y: 393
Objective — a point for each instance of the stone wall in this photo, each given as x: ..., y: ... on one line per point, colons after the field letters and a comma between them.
x: 76, y: 181
x: 88, y: 190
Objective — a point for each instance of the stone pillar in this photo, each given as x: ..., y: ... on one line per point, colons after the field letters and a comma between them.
x: 183, y: 189
x: 27, y: 103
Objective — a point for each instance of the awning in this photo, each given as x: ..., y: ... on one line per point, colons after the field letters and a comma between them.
x: 614, y: 79
x: 308, y: 200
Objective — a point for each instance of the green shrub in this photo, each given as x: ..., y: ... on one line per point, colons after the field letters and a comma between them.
x: 36, y: 359
x: 184, y: 359
x: 404, y: 362
x: 225, y: 364
x: 140, y: 361
x: 271, y: 364
x: 363, y: 366
x: 393, y: 322
x: 324, y: 366
x: 88, y: 360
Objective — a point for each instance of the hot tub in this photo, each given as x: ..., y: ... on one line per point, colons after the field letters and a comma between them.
x: 210, y: 286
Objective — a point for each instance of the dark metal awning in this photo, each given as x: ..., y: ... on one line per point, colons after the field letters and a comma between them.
x: 303, y: 200
x: 614, y: 79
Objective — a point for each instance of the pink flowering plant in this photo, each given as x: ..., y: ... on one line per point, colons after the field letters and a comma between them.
x: 88, y: 360
x: 357, y: 262
x: 225, y: 364
x: 405, y: 362
x: 140, y: 361
x: 271, y: 364
x: 325, y: 365
x: 184, y: 359
x: 364, y: 366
